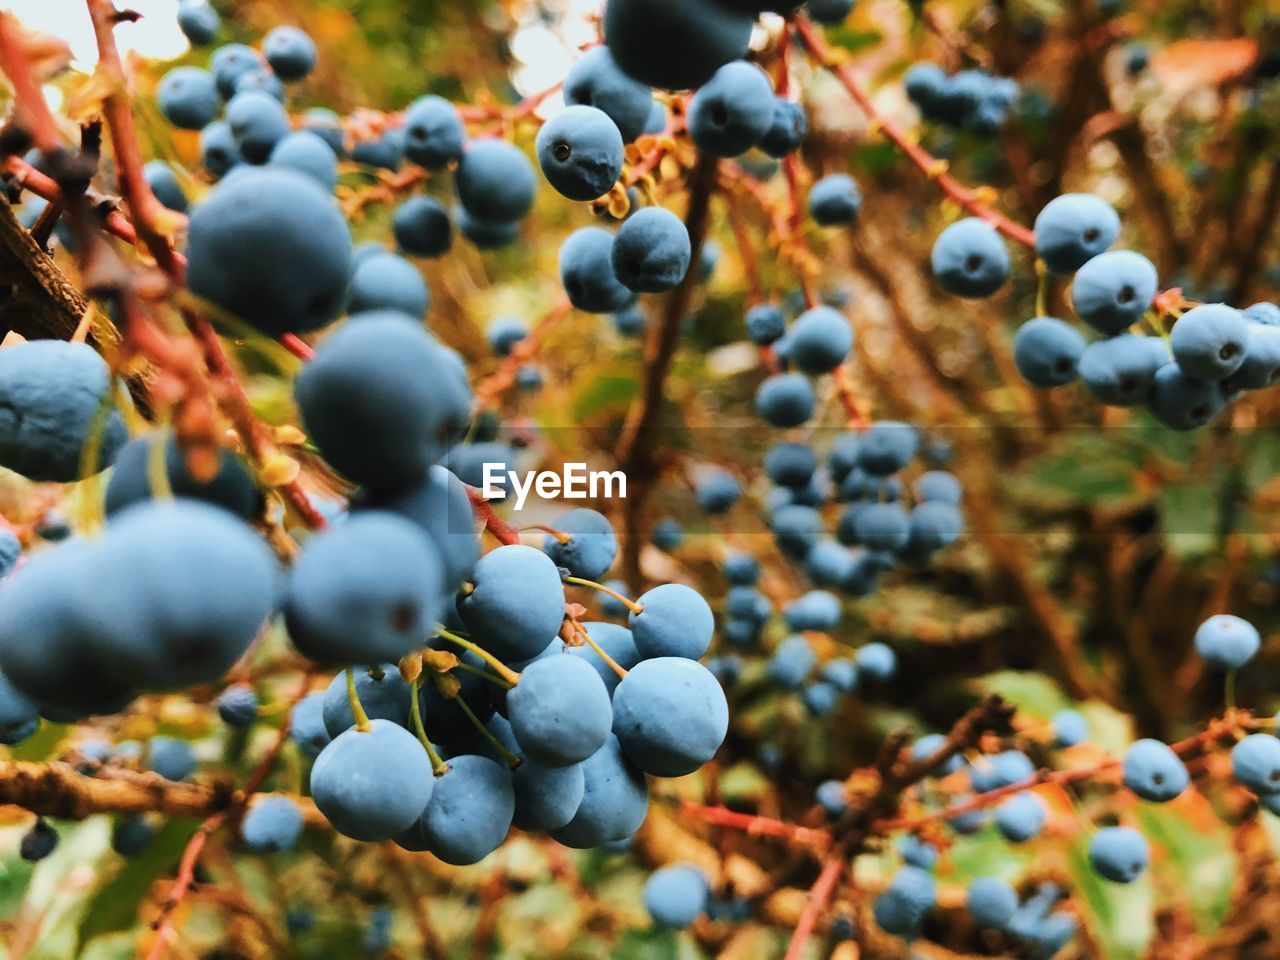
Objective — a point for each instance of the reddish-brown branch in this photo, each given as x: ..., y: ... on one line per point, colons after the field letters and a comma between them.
x: 820, y: 895
x: 930, y: 165
x: 16, y: 62
x: 502, y: 379
x: 756, y: 825
x: 299, y: 348
x: 501, y: 530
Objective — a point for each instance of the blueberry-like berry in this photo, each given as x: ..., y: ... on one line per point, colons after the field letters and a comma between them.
x: 587, y: 272
x: 372, y: 785
x: 1226, y: 642
x: 970, y: 259
x: 835, y: 200
x: 1113, y: 290
x: 273, y: 823
x: 675, y: 896
x: 580, y: 152
x: 1047, y: 352
x: 597, y: 81
x: 1073, y: 229
x: 651, y: 251
x: 1209, y: 342
x: 1119, y: 854
x: 733, y: 111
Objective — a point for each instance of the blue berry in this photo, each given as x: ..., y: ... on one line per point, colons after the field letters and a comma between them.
x: 787, y: 128
x: 306, y: 153
x: 991, y: 902
x: 785, y: 400
x: 262, y: 80
x: 1073, y: 229
x: 587, y: 272
x: 38, y: 842
x: 592, y: 545
x: 841, y: 674
x: 580, y: 152
x: 820, y: 340
x: 765, y: 324
x: 170, y: 758
x: 1069, y: 728
x: 614, y: 802
x: 131, y: 834
x: 741, y: 569
x: 258, y: 122
x: 228, y: 63
x: 667, y: 534
x: 1120, y: 370
x: 674, y: 46
x: 820, y: 698
x: 291, y: 53
x: 1266, y: 314
x: 384, y: 695
x: 1255, y: 761
x: 732, y: 111
x: 796, y: 529
x: 614, y: 640
x: 835, y: 200
x: 1119, y: 854
x: 1154, y: 772
x: 372, y: 785
x: 51, y: 393
x: 198, y: 21
x: 970, y: 260
x: 651, y: 251
x: 469, y: 815
x: 670, y: 716
x: 631, y: 321
x: 188, y: 97
x: 927, y: 746
x: 19, y: 717
x: 828, y: 564
x: 517, y: 605
x: 926, y: 85
x: 165, y: 185
x: 1020, y: 817
x: 1226, y: 642
x: 1209, y: 341
x: 1261, y: 367
x: 674, y: 621
x: 675, y: 896
x: 306, y: 724
x: 230, y: 488
x: 272, y: 824
x: 423, y: 228
x: 883, y: 526
x: 938, y: 486
x: 917, y: 852
x: 1181, y: 402
x: 327, y: 125
x: 831, y: 797
x: 382, y: 400
x: 816, y: 610
x: 718, y: 491
x: 384, y: 152
x: 1112, y: 291
x: 272, y: 248
x: 887, y: 447
x: 1047, y: 352
x: 902, y: 907
x: 218, y: 150
x: 791, y: 663
x: 504, y: 333
x: 559, y: 711
x: 495, y: 181
x: 597, y: 81
x: 238, y: 706
x: 434, y: 136
x: 877, y: 661
x: 385, y: 281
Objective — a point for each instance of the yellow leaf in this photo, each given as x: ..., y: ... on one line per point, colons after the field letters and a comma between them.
x: 279, y: 470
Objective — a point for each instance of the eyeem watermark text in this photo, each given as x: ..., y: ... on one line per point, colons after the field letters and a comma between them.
x: 575, y: 483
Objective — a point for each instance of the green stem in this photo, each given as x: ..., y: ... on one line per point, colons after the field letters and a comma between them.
x: 438, y: 766
x: 1042, y: 289
x: 496, y: 681
x: 629, y: 604
x: 357, y: 708
x: 586, y: 637
x: 512, y: 760
x: 505, y: 672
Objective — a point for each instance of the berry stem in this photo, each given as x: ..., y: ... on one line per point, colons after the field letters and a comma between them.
x: 1229, y: 691
x: 586, y: 637
x: 505, y: 672
x: 496, y: 681
x: 357, y: 708
x: 1042, y: 289
x: 157, y: 471
x: 438, y: 766
x: 629, y: 604
x: 511, y: 759
x: 560, y: 536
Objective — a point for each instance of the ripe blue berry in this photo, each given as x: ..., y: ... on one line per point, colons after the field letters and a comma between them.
x: 970, y: 260
x: 38, y: 842
x: 991, y: 902
x: 307, y: 154
x: 383, y: 400
x: 326, y: 125
x: 733, y: 111
x: 580, y: 152
x: 131, y: 835
x: 385, y: 281
x: 1265, y: 313
x: 587, y: 272
x: 597, y: 81
x: 290, y: 51
x: 1255, y: 761
x: 1154, y: 772
x: 231, y: 487
x: 218, y: 150
x: 1073, y: 229
x: 675, y: 896
x: 306, y: 724
x: 1047, y: 352
x: 1020, y: 817
x: 835, y: 200
x: 258, y: 121
x: 785, y: 399
x: 1069, y: 728
x: 902, y: 907
x: 883, y: 526
x: 1113, y: 290
x: 1226, y: 642
x: 198, y: 21
x: 718, y: 491
x: 674, y: 621
x: 1261, y: 367
x: 1181, y: 402
x: 791, y: 663
x: 877, y: 661
x: 674, y: 46
x: 1119, y: 854
x: 372, y: 785
x: 228, y: 63
x: 238, y: 706
x: 560, y: 711
x: 271, y: 247
x: 938, y: 486
x: 517, y: 605
x: 422, y: 227
x: 469, y: 814
x: 887, y: 447
x: 670, y: 716
x: 592, y: 545
x: 495, y: 181
x: 19, y: 717
x: 651, y: 251
x: 434, y: 136
x: 667, y: 534
x: 614, y: 803
x: 383, y: 694
x: 188, y: 97
x: 170, y: 758
x: 272, y: 824
x: 765, y: 324
x: 165, y: 185
x: 1209, y: 341
x: 51, y: 393
x: 262, y: 80
x: 1120, y: 370
x: 820, y: 340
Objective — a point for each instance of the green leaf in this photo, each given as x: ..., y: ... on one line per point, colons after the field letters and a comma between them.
x: 114, y: 906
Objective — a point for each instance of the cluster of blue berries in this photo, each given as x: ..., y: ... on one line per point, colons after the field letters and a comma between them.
x: 970, y: 100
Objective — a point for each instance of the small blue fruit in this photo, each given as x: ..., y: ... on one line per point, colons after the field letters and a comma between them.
x: 1154, y: 772
x: 188, y: 97
x: 258, y: 122
x: 290, y: 51
x: 597, y: 81
x: 591, y: 546
x: 372, y: 785
x: 785, y: 400
x: 1047, y: 352
x: 835, y: 200
x: 991, y: 902
x: 272, y: 824
x: 674, y: 621
x: 1119, y: 854
x: 1226, y: 642
x: 970, y: 260
x: 1073, y: 229
x: 1209, y: 342
x: 495, y: 181
x: 651, y: 251
x: 385, y: 281
x: 1120, y: 370
x: 238, y: 706
x: 587, y: 272
x: 1020, y: 817
x: 422, y: 227
x: 434, y: 136
x: 580, y: 152
x: 675, y: 896
x: 732, y: 111
x: 1112, y: 291
x: 308, y: 154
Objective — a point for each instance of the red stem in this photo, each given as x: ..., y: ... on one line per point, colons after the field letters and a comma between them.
x: 819, y: 896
